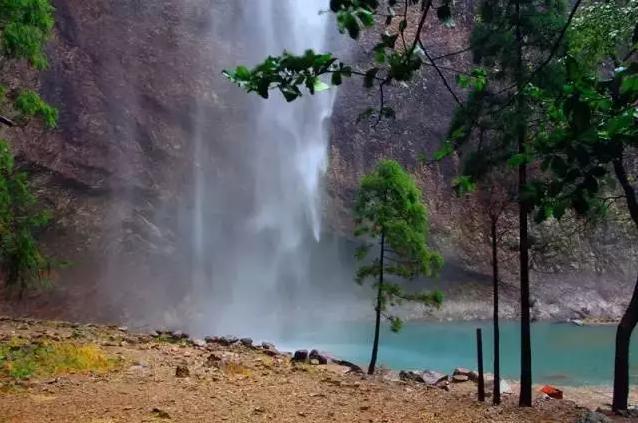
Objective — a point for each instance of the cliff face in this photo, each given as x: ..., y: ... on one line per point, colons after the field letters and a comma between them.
x: 132, y: 81
x: 137, y: 83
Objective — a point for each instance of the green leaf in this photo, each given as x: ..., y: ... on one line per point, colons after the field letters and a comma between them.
x: 519, y: 160
x: 446, y: 150
x: 396, y: 324
x: 368, y: 80
x: 336, y: 79
x: 629, y: 85
x: 321, y: 86
x: 388, y: 40
x: 463, y: 185
x: 444, y: 13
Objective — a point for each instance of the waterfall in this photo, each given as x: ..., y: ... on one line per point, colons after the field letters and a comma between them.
x: 292, y: 138
x: 254, y: 234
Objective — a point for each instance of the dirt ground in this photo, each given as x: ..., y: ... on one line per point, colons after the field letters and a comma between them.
x: 163, y: 379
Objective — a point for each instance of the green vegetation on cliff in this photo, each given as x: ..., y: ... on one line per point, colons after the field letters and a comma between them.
x: 25, y: 27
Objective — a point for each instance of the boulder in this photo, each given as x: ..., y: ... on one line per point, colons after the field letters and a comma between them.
x: 552, y: 392
x: 268, y: 346
x: 211, y: 339
x: 443, y: 384
x: 460, y: 378
x: 160, y: 413
x: 316, y: 355
x: 506, y: 388
x: 212, y: 360
x: 270, y: 353
x: 227, y: 340
x: 314, y: 362
x: 431, y: 377
x: 182, y: 371
x: 462, y: 371
x: 246, y: 342
x: 178, y: 335
x: 410, y: 376
x: 594, y: 417
x: 428, y: 377
x: 198, y: 342
x: 353, y: 367
x: 300, y: 356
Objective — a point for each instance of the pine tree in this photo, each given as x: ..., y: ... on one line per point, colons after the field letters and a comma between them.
x: 389, y: 212
x: 493, y: 201
x: 510, y: 42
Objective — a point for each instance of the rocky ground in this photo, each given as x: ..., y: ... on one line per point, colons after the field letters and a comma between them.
x: 168, y: 377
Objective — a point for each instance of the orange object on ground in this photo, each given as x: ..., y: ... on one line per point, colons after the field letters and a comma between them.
x: 552, y: 392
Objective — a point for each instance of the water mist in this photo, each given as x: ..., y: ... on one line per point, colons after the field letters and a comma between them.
x: 260, y: 265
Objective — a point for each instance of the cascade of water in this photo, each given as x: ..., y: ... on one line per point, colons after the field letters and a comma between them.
x: 255, y: 265
x: 293, y: 146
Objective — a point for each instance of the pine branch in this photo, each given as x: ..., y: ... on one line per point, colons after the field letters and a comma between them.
x: 547, y: 61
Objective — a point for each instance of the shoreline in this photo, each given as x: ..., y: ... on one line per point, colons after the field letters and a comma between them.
x: 591, y: 396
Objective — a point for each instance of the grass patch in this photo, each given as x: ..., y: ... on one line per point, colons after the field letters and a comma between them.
x: 236, y: 369
x: 21, y: 360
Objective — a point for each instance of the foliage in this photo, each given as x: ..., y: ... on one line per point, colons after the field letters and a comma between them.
x: 493, y: 113
x: 25, y: 26
x: 389, y: 210
x: 603, y: 29
x: 397, y: 56
x: 21, y: 360
x: 594, y: 123
x: 591, y: 134
x: 20, y: 219
x: 515, y: 43
x: 593, y: 120
x: 31, y: 105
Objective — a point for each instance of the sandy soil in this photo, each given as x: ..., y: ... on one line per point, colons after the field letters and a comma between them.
x: 232, y: 384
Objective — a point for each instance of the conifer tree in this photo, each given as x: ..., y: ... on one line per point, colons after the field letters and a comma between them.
x: 493, y: 201
x: 389, y: 213
x: 514, y: 42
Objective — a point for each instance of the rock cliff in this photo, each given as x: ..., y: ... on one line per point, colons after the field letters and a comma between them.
x: 136, y: 83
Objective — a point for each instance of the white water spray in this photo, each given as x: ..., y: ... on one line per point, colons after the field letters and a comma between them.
x: 252, y: 270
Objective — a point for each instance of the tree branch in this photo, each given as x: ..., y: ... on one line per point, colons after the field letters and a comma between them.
x: 6, y: 121
x: 438, y: 71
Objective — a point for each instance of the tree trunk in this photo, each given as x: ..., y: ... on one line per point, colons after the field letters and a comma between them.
x: 377, y: 325
x: 525, y: 399
x: 630, y: 318
x: 621, y: 365
x: 496, y: 397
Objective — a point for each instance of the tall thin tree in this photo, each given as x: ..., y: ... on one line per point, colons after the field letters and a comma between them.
x: 389, y: 212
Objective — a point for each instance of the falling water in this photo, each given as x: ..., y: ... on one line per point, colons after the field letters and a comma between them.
x: 255, y: 236
x: 293, y: 147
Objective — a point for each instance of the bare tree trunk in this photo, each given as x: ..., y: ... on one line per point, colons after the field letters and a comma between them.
x: 630, y: 318
x: 496, y: 397
x: 525, y: 399
x: 377, y: 327
x: 621, y: 363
